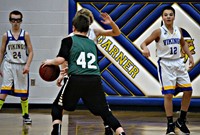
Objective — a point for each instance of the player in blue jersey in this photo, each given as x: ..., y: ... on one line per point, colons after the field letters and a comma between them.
x: 172, y: 72
x: 17, y: 52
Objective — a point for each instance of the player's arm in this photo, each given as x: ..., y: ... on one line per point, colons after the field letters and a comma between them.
x: 56, y: 61
x: 64, y: 68
x: 155, y: 35
x: 187, y: 51
x: 63, y: 54
x: 2, y: 49
x: 115, y: 31
x: 30, y: 53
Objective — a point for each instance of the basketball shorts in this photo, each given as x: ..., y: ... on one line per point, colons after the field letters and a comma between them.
x: 14, y: 81
x: 85, y: 87
x: 173, y: 76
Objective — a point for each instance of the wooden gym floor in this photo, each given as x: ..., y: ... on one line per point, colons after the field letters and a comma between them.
x: 81, y: 122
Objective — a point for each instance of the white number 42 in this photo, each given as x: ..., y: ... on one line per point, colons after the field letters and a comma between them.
x: 82, y: 60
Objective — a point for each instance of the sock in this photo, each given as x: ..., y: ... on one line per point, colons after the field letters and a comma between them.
x: 56, y: 129
x: 169, y: 119
x: 183, y: 115
x: 24, y: 104
x: 1, y: 103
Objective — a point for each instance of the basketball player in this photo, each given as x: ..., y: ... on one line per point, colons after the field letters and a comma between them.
x: 84, y: 78
x: 17, y: 52
x: 172, y: 72
x: 92, y: 34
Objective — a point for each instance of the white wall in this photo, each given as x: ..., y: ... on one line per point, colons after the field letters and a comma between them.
x: 47, y: 23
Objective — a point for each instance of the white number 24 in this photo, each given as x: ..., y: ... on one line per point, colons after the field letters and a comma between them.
x: 82, y: 60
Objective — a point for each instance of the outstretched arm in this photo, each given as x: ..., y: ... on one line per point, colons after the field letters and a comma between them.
x: 115, y: 31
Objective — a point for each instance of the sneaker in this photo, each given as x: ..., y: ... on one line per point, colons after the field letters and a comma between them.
x: 108, y: 131
x: 170, y: 129
x: 26, y: 119
x: 181, y: 125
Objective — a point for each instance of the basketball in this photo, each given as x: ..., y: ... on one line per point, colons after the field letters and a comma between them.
x: 49, y: 72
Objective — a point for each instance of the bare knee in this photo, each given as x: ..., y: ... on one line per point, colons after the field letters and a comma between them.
x: 168, y: 97
x: 3, y: 96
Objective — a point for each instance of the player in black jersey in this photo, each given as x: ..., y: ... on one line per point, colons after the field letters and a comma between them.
x: 84, y: 78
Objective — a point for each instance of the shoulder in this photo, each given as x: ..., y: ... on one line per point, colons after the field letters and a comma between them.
x: 97, y: 31
x: 4, y: 37
x: 26, y: 34
x: 67, y: 39
x: 157, y: 32
x: 179, y: 29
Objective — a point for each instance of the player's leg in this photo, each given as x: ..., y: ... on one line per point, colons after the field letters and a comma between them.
x: 25, y: 111
x: 21, y: 89
x: 7, y: 83
x: 168, y: 89
x: 2, y: 100
x: 184, y: 85
x: 169, y: 113
x: 67, y: 99
x: 57, y: 112
x: 181, y: 121
x: 108, y: 130
x: 94, y: 99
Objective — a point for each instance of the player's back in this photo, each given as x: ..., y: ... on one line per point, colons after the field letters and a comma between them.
x: 83, y: 57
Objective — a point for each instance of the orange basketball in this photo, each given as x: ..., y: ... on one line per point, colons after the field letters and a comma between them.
x: 49, y: 72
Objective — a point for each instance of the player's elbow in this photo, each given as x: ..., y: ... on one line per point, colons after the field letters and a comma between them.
x: 142, y: 46
x: 117, y: 33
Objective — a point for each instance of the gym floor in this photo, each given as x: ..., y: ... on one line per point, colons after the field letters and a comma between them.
x: 81, y: 122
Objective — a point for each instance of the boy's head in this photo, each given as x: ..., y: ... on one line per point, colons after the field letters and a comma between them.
x: 168, y: 15
x: 81, y: 23
x: 15, y: 16
x: 168, y: 8
x: 86, y: 12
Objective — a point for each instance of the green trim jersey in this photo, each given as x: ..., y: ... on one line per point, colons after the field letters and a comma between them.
x: 81, y: 54
x: 169, y: 43
x: 16, y: 49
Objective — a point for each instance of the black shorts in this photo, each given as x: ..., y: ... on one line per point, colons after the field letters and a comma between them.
x: 87, y: 87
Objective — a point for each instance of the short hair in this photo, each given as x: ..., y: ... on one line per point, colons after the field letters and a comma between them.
x: 15, y: 12
x: 81, y: 23
x: 168, y: 8
x: 86, y: 12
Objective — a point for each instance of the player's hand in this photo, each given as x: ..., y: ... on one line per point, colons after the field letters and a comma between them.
x: 59, y: 80
x: 26, y: 69
x: 191, y: 62
x: 106, y: 18
x: 146, y: 52
x: 47, y: 62
x: 64, y: 71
